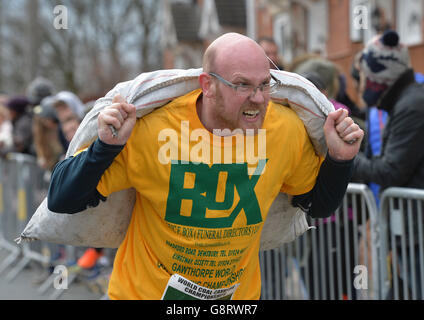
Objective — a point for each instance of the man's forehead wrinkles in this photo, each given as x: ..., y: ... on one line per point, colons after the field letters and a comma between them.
x: 244, y: 77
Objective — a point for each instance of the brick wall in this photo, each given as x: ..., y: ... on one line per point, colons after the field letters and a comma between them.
x: 340, y: 49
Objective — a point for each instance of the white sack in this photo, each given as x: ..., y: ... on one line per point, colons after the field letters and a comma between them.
x: 105, y: 226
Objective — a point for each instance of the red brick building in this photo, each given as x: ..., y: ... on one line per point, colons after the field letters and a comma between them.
x: 405, y: 16
x: 336, y: 29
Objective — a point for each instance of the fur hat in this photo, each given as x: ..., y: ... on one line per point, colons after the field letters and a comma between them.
x: 384, y: 58
x: 383, y: 61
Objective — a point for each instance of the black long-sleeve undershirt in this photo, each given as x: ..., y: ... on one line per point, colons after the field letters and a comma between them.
x: 73, y: 186
x: 329, y: 189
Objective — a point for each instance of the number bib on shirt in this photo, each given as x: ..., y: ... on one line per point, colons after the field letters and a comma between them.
x: 179, y: 288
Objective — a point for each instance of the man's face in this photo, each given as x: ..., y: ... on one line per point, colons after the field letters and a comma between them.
x: 237, y: 61
x: 241, y: 111
x: 271, y: 50
x: 63, y: 112
x: 70, y: 127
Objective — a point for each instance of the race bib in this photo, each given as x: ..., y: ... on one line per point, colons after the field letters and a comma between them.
x: 179, y: 288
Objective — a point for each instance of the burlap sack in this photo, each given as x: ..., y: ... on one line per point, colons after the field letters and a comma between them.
x: 105, y: 226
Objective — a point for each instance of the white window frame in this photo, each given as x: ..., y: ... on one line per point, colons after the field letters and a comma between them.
x: 360, y: 20
x: 282, y: 35
x: 409, y: 34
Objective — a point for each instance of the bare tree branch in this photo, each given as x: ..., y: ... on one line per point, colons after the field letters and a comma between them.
x: 107, y: 41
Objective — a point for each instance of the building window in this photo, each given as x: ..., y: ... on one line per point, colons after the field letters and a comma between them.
x: 409, y: 21
x: 369, y: 18
x: 299, y: 15
x: 282, y: 36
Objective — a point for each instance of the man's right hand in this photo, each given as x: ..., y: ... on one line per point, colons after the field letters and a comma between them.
x: 121, y: 116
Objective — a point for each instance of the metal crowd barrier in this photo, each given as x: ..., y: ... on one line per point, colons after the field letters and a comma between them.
x: 7, y: 221
x: 338, y: 260
x: 27, y: 177
x: 19, y: 175
x: 357, y: 253
x: 23, y: 186
x: 402, y: 244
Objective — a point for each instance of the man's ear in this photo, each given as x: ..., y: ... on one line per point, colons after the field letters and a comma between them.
x: 206, y: 84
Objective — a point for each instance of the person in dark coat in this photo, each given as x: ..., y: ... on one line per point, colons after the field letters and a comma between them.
x: 391, y: 86
x: 22, y: 126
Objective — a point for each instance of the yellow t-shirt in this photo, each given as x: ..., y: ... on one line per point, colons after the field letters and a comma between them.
x: 199, y: 211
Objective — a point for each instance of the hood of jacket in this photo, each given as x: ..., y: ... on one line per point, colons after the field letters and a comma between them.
x: 393, y: 93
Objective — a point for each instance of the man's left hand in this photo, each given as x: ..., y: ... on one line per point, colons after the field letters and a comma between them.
x: 343, y: 135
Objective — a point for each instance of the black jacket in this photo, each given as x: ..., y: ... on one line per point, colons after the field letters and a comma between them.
x: 401, y: 162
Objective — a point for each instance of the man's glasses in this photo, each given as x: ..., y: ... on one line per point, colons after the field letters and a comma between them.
x: 246, y: 89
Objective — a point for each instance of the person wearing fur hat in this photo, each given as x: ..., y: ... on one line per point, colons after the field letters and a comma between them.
x: 390, y: 85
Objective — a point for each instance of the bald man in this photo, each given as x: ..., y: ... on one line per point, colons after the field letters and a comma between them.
x: 197, y: 220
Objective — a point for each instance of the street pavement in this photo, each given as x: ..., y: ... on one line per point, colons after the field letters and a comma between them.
x: 24, y: 286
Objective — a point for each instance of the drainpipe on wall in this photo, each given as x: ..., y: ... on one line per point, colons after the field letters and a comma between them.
x: 251, y: 19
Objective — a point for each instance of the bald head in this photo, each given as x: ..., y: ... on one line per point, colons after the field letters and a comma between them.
x: 230, y: 62
x: 231, y: 49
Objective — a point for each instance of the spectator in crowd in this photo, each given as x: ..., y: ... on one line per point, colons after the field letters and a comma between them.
x: 90, y: 257
x: 359, y: 81
x: 68, y: 105
x: 6, y: 128
x: 325, y: 70
x: 419, y: 77
x: 271, y: 50
x: 70, y: 126
x: 374, y: 120
x: 46, y: 134
x: 343, y: 97
x: 71, y: 111
x: 3, y: 99
x: 390, y: 85
x: 22, y: 126
x: 298, y: 60
x: 56, y: 120
x: 325, y: 76
x: 38, y: 89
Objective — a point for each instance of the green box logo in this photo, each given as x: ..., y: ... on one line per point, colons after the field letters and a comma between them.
x: 203, y: 193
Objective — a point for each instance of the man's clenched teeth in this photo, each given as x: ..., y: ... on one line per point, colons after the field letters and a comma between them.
x: 251, y: 113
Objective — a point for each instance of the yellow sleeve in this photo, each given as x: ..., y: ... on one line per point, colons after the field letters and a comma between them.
x: 306, y: 168
x: 115, y: 178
